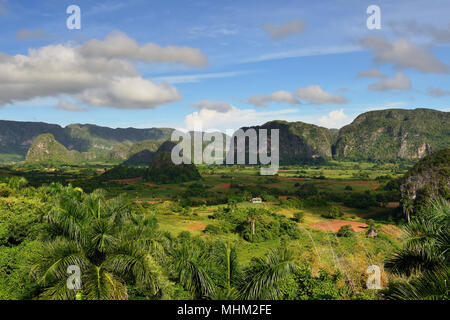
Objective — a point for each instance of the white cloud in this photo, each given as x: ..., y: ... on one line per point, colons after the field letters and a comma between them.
x: 194, y: 78
x: 389, y: 105
x: 218, y: 106
x: 335, y: 119
x: 68, y: 106
x: 24, y: 34
x: 403, y: 55
x: 233, y: 119
x: 398, y: 82
x: 316, y: 95
x: 88, y: 75
x: 286, y: 29
x: 130, y: 93
x: 282, y: 96
x: 119, y: 45
x: 438, y: 92
x: 304, y: 52
x: 372, y: 73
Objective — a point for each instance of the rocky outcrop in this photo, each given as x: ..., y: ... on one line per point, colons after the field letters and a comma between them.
x: 394, y: 134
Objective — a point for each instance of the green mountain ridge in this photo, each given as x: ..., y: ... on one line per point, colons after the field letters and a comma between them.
x: 382, y: 135
x: 99, y: 143
x: 300, y: 142
x: 394, y: 134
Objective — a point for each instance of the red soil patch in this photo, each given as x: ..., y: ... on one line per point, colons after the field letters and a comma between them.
x: 149, y: 184
x: 376, y: 187
x: 226, y: 186
x: 392, y: 205
x: 128, y: 181
x: 198, y: 226
x: 291, y: 178
x: 335, y: 225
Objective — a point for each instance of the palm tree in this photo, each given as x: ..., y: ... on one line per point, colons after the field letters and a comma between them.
x: 225, y: 257
x: 264, y: 276
x: 191, y: 265
x: 110, y: 245
x: 408, y: 207
x: 252, y: 215
x: 425, y: 255
x: 432, y: 285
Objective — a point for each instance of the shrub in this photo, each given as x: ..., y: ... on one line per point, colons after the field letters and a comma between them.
x: 212, y: 229
x: 333, y: 212
x: 345, y: 231
x: 348, y: 188
x: 299, y: 216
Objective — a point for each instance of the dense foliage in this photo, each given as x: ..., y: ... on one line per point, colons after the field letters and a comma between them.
x: 425, y: 256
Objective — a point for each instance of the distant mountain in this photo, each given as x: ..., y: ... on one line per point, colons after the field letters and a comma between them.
x: 394, y: 134
x: 100, y: 143
x: 299, y: 142
x: 147, y: 151
x: 382, y: 135
x: 46, y: 149
x: 162, y: 170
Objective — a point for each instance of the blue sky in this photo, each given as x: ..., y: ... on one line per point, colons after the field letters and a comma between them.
x: 234, y: 63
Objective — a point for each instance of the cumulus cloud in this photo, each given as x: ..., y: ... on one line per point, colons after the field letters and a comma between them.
x: 119, y: 45
x: 286, y: 29
x: 68, y: 106
x: 218, y: 106
x: 109, y: 80
x: 398, y: 82
x: 334, y: 119
x: 438, y: 92
x: 412, y: 28
x: 372, y: 73
x: 233, y: 119
x: 24, y: 34
x: 130, y: 93
x: 282, y: 96
x: 403, y: 55
x: 315, y: 94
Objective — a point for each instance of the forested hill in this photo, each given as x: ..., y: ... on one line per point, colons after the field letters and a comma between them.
x: 394, y: 134
x: 381, y: 135
x: 98, y: 142
x: 300, y: 142
x: 384, y: 135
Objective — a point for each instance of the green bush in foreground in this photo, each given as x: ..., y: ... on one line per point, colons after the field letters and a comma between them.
x: 345, y: 231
